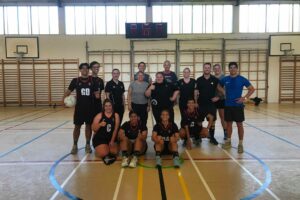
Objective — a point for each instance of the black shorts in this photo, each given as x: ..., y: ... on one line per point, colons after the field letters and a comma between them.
x: 235, y: 114
x: 141, y: 153
x: 100, y: 138
x: 166, y: 150
x: 204, y: 110
x: 82, y: 116
x: 220, y: 104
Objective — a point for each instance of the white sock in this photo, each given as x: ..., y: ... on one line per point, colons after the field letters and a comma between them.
x: 240, y: 142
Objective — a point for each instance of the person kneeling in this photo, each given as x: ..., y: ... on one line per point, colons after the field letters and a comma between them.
x: 105, y: 127
x: 191, y: 125
x: 165, y: 136
x: 132, y: 135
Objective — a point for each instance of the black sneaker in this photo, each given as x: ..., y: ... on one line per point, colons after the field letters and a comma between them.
x: 213, y: 141
x: 108, y: 160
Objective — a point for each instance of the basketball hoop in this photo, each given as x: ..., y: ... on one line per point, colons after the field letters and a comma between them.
x: 288, y: 52
x: 20, y: 55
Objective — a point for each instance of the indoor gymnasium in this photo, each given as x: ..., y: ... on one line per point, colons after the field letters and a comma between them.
x: 149, y: 99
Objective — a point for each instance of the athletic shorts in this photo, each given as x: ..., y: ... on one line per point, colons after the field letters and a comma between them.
x: 82, y: 116
x: 142, y: 153
x: 100, y: 138
x: 234, y: 114
x: 166, y: 150
x: 220, y: 104
x: 204, y: 110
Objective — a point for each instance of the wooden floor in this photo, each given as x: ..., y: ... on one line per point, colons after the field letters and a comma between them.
x: 34, y: 159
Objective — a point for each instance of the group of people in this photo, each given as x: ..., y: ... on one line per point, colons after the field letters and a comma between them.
x: 198, y: 100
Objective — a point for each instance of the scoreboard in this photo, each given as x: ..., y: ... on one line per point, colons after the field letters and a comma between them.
x: 146, y: 30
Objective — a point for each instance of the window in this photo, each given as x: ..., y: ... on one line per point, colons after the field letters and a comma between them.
x: 87, y: 20
x: 1, y: 21
x: 195, y: 18
x: 269, y: 18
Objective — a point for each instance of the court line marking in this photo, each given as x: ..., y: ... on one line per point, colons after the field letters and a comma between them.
x: 183, y: 185
x: 201, y: 176
x: 275, y: 136
x: 264, y: 186
x: 118, y: 184
x: 162, y: 183
x: 59, y: 188
x: 18, y: 115
x: 140, y: 182
x: 30, y: 141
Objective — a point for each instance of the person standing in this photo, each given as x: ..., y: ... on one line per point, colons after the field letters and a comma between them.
x: 137, y: 101
x: 83, y: 113
x: 100, y: 85
x: 142, y: 68
x: 186, y: 87
x: 162, y: 96
x: 207, y: 89
x: 114, y: 91
x: 169, y: 76
x: 234, y: 103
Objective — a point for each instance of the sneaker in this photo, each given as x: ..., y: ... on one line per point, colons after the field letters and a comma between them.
x: 158, y: 161
x: 213, y: 141
x: 176, y: 162
x: 197, y: 141
x: 88, y: 149
x: 125, y: 161
x: 240, y: 148
x: 133, y: 162
x: 74, y: 149
x: 226, y: 145
x: 108, y: 160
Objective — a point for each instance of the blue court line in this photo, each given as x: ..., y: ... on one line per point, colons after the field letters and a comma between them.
x: 54, y: 181
x: 28, y: 142
x: 268, y: 178
x: 275, y: 136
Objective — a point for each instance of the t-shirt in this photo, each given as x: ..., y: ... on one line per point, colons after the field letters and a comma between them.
x: 193, y: 121
x: 146, y: 77
x: 207, y: 89
x: 106, y: 132
x: 165, y: 132
x: 160, y: 96
x: 186, y: 90
x: 132, y: 132
x: 234, y: 89
x: 170, y: 77
x: 116, y: 91
x: 85, y: 89
x: 100, y: 86
x: 138, y: 92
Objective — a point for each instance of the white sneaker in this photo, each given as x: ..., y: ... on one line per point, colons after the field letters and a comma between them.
x: 88, y: 149
x: 133, y: 162
x: 226, y: 145
x: 240, y: 148
x: 125, y: 161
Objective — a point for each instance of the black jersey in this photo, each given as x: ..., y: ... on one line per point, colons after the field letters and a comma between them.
x: 100, y: 86
x: 131, y: 132
x: 85, y: 89
x: 186, y: 90
x: 207, y: 89
x: 192, y: 120
x: 160, y: 96
x: 106, y: 132
x: 165, y: 132
x: 116, y: 91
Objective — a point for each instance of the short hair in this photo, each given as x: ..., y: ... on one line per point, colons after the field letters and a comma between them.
x: 167, y: 61
x: 84, y: 65
x: 142, y: 63
x: 139, y: 72
x: 215, y: 65
x: 191, y: 99
x: 94, y: 63
x: 233, y: 63
x: 160, y: 74
x: 115, y: 69
x: 207, y: 63
x: 187, y: 69
x: 132, y: 112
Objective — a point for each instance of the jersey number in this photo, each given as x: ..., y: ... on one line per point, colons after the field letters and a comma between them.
x: 192, y: 124
x: 108, y: 127
x: 85, y: 92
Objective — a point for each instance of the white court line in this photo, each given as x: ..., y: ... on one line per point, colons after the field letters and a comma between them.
x: 201, y: 177
x: 118, y: 184
x: 69, y: 177
x: 250, y: 174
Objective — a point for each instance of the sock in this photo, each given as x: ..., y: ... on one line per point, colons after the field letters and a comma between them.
x: 212, y: 131
x: 240, y: 142
x: 75, y: 142
x: 225, y: 132
x: 124, y: 153
x: 157, y: 153
x: 136, y: 153
x: 88, y: 142
x: 175, y: 153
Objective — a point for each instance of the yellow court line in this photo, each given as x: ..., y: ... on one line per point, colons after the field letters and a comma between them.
x: 183, y: 185
x: 140, y: 181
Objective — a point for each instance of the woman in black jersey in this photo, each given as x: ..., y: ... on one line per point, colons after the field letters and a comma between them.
x: 105, y: 127
x: 165, y: 136
x: 162, y: 95
x: 186, y: 87
x: 133, y: 135
x: 191, y: 124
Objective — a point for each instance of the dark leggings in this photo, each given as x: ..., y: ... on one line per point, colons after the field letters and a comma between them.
x: 157, y: 111
x: 141, y: 110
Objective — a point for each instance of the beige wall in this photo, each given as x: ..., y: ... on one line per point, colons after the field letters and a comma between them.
x: 66, y: 46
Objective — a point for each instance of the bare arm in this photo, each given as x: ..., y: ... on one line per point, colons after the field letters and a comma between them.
x: 144, y: 134
x: 154, y: 137
x: 107, y: 95
x: 129, y: 98
x: 175, y: 94
x: 149, y: 90
x: 117, y: 124
x: 96, y: 125
x: 220, y: 89
x: 251, y: 90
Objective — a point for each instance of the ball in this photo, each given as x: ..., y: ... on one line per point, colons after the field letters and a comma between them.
x: 70, y: 101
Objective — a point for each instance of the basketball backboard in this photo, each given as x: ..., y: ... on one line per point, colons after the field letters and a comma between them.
x: 280, y: 45
x: 27, y: 47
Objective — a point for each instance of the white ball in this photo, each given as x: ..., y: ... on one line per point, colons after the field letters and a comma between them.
x: 70, y: 101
